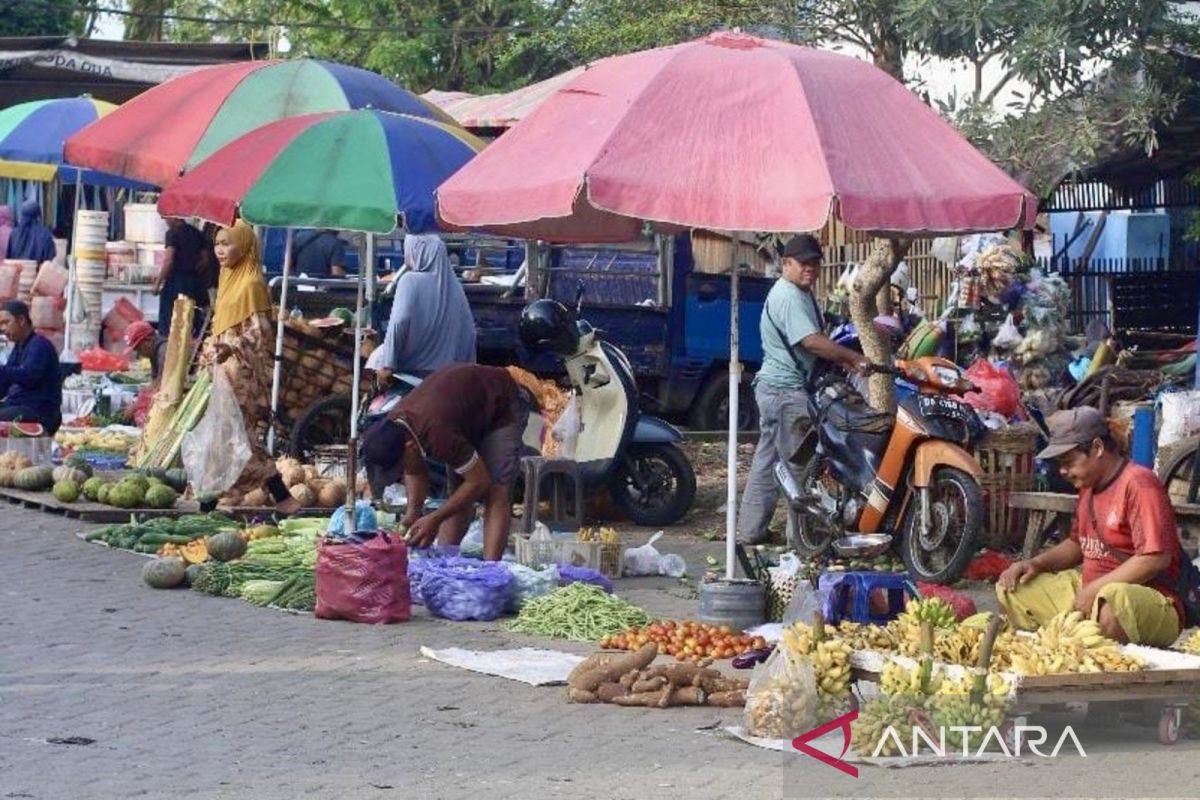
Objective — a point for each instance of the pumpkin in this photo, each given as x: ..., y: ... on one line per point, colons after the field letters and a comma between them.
x: 303, y: 495
x: 226, y: 546
x: 195, y: 551
x: 164, y: 573
x: 66, y: 491
x: 192, y: 573
x: 34, y: 479
x: 65, y: 473
x: 177, y: 479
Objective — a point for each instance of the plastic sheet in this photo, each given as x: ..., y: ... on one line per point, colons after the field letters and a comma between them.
x: 216, y: 451
x: 465, y: 589
x: 364, y: 582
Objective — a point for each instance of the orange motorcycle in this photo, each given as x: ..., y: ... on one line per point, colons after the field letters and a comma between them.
x: 909, y: 474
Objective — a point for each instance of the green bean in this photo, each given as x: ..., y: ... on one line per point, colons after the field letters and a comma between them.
x: 580, y: 612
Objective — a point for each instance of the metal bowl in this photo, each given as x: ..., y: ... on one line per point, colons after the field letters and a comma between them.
x: 863, y: 545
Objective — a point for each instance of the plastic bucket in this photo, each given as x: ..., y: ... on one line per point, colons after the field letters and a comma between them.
x: 740, y: 604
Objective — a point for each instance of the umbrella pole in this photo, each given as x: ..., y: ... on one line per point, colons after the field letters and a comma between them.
x: 352, y: 455
x: 72, y: 257
x: 735, y: 369
x: 278, y: 366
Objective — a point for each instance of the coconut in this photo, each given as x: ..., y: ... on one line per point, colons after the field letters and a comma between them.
x: 304, y: 495
x: 332, y: 494
x: 257, y: 498
x: 293, y: 475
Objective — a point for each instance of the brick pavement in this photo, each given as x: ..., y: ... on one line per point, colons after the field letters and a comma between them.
x: 198, y: 697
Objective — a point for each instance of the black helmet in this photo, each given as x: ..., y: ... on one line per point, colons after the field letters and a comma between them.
x: 549, y: 325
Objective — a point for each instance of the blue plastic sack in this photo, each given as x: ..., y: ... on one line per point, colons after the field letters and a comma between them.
x: 420, y: 560
x: 568, y: 575
x: 465, y: 589
x: 364, y: 519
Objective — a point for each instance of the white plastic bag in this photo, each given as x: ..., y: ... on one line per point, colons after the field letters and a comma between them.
x: 472, y: 543
x: 642, y: 560
x: 216, y: 451
x: 566, y: 430
x: 1180, y: 417
x: 1008, y: 336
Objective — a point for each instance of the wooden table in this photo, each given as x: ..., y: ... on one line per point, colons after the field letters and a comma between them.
x: 1053, y: 510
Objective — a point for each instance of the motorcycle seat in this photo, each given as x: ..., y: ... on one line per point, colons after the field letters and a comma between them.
x: 852, y: 417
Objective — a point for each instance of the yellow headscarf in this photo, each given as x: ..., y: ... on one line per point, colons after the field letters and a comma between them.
x: 242, y: 290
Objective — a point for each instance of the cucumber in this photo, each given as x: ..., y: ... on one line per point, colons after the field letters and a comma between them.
x: 160, y: 539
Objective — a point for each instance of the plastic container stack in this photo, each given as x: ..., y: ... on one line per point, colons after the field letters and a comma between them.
x: 91, y: 257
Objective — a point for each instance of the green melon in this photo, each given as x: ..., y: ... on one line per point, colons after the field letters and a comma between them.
x: 66, y: 491
x: 103, y: 492
x: 160, y: 496
x: 91, y: 488
x: 164, y: 573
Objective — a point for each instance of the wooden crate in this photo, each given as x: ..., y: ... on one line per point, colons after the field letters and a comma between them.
x: 1006, y: 457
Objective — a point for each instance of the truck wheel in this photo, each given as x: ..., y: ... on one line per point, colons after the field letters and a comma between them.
x: 710, y: 409
x: 654, y: 484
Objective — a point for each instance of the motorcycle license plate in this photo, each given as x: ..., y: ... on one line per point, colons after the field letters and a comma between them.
x: 936, y: 406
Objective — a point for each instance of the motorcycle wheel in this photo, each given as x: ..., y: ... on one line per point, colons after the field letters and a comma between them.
x: 807, y: 533
x: 956, y: 524
x: 325, y: 422
x: 654, y: 484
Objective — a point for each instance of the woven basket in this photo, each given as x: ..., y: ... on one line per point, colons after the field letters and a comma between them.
x: 1006, y: 457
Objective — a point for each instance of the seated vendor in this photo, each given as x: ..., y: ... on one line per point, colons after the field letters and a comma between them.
x: 1124, y: 535
x: 143, y: 341
x: 30, y: 382
x: 472, y: 419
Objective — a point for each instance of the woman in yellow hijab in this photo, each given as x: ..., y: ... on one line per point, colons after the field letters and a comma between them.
x: 243, y: 344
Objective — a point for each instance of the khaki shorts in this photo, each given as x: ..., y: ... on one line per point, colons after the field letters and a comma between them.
x: 1146, y: 615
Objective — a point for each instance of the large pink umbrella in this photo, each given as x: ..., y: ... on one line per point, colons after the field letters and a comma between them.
x: 734, y: 133
x: 731, y: 132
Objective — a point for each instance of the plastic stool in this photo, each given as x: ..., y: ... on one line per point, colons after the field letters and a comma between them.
x: 563, y: 478
x: 850, y: 595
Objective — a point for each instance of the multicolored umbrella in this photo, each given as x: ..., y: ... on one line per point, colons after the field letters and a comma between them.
x: 732, y: 132
x: 174, y: 126
x: 32, y: 136
x: 350, y: 170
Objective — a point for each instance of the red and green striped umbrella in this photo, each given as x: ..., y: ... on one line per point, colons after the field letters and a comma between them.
x: 350, y: 170
x: 169, y: 129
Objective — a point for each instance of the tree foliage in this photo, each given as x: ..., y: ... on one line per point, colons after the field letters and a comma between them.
x: 43, y: 18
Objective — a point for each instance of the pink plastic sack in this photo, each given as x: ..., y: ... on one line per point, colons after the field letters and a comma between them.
x: 364, y: 582
x: 51, y: 280
x: 10, y: 279
x: 998, y: 393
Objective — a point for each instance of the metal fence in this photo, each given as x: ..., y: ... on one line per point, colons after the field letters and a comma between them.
x: 1091, y: 283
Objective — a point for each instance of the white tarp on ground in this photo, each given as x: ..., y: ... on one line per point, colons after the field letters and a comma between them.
x: 527, y: 664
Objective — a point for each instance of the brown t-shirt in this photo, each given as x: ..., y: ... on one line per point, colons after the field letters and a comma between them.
x: 453, y: 409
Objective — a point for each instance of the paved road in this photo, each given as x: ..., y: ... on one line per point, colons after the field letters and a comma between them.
x: 191, y: 696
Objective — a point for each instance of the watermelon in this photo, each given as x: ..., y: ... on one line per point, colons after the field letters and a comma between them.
x: 26, y: 429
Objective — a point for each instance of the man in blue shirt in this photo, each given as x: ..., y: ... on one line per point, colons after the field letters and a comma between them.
x: 30, y: 382
x: 320, y: 254
x: 793, y: 340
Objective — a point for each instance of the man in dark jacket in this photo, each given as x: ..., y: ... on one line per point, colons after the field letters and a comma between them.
x: 30, y: 382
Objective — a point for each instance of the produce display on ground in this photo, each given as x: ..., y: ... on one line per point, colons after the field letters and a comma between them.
x: 306, y: 484
x: 580, y: 612
x: 685, y: 641
x: 157, y: 489
x: 628, y: 679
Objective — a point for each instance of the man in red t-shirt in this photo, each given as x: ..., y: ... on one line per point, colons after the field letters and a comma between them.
x: 1124, y: 535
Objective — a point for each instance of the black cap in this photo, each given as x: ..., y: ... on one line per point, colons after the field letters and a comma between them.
x: 1076, y: 427
x: 803, y: 247
x: 383, y: 444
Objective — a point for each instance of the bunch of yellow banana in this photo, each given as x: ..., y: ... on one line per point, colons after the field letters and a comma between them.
x: 602, y: 535
x: 798, y: 639
x: 958, y: 646
x: 997, y: 686
x: 874, y: 718
x: 905, y: 681
x: 1060, y: 652
x: 934, y: 609
x: 1072, y: 629
x: 1191, y: 644
x: 866, y: 637
x: 831, y: 664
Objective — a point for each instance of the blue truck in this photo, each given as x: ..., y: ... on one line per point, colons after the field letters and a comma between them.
x: 648, y: 298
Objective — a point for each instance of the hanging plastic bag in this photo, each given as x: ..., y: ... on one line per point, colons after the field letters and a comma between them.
x: 781, y: 702
x: 998, y: 389
x: 217, y: 450
x: 1180, y: 417
x: 643, y: 560
x: 1008, y: 336
x: 805, y: 602
x: 365, y: 582
x: 565, y: 432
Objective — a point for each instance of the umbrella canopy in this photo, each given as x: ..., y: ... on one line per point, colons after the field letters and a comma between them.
x: 32, y: 136
x: 175, y: 125
x: 351, y: 170
x: 731, y: 132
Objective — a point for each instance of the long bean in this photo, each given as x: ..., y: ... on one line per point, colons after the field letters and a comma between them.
x: 580, y: 612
